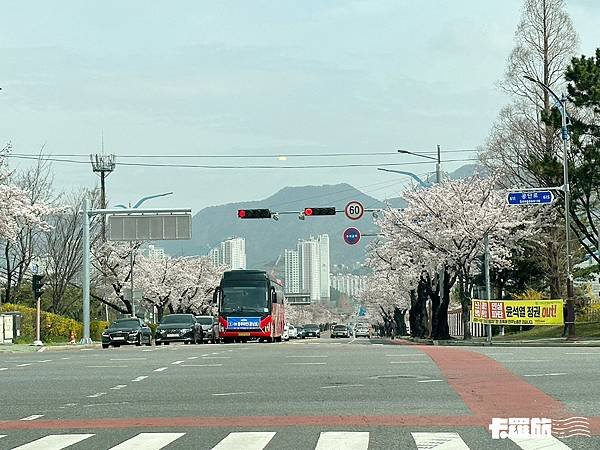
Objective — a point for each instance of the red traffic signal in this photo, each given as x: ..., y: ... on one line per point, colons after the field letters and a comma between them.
x: 254, y: 213
x: 319, y: 211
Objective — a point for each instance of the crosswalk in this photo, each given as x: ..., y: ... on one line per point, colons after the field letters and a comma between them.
x: 258, y: 440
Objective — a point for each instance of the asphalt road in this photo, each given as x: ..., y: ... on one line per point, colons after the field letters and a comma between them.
x: 306, y: 394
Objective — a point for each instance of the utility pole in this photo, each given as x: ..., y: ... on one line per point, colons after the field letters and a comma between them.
x: 488, y: 288
x: 104, y: 165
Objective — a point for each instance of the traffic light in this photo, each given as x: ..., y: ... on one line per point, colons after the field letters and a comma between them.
x: 37, y: 282
x: 319, y: 211
x: 254, y: 213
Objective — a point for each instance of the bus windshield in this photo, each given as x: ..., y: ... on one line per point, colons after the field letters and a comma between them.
x: 251, y: 297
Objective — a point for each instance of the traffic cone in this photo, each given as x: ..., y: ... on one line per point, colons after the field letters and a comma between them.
x: 71, y: 337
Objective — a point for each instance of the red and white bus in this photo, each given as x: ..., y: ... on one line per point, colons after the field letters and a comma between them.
x: 250, y: 305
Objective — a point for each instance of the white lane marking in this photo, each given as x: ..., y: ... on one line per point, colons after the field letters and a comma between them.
x: 32, y: 417
x: 428, y: 381
x: 216, y: 357
x: 148, y: 441
x: 306, y: 364
x: 547, y: 443
x: 128, y: 359
x: 140, y: 378
x: 3, y: 368
x: 497, y: 354
x: 147, y: 350
x: 160, y: 369
x: 45, y: 360
x: 348, y: 440
x: 96, y: 395
x: 308, y: 356
x: 54, y: 442
x: 107, y: 367
x: 410, y: 362
x: 352, y: 341
x: 201, y: 365
x: 556, y: 374
x: 439, y: 441
x: 523, y: 360
x: 342, y: 386
x: 23, y: 365
x: 405, y: 355
x: 378, y: 344
x: 248, y: 440
x: 582, y: 353
x: 42, y: 349
x: 193, y: 357
x: 2, y: 435
x: 233, y: 393
x: 66, y: 357
x: 176, y: 362
x: 118, y: 387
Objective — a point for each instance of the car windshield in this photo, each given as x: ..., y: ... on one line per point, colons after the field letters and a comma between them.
x: 311, y: 327
x: 252, y: 297
x: 204, y: 320
x: 339, y: 328
x: 177, y: 318
x: 124, y: 324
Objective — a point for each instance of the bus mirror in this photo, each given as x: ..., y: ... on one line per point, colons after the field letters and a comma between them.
x: 274, y: 295
x: 216, y: 295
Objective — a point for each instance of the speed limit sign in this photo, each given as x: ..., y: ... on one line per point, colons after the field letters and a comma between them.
x: 354, y: 210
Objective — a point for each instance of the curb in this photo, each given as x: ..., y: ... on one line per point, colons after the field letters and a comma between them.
x: 29, y: 348
x: 460, y: 343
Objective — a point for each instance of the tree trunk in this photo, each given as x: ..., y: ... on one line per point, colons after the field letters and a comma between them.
x: 399, y: 315
x: 442, y: 330
x: 419, y: 327
x: 465, y: 302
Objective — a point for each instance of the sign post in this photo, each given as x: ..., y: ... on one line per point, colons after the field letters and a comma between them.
x: 354, y: 210
x: 351, y: 236
x: 530, y: 198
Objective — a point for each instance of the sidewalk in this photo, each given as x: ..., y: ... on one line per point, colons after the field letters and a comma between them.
x: 29, y: 348
x: 498, y: 341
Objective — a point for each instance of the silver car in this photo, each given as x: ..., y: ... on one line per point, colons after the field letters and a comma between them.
x: 210, y: 328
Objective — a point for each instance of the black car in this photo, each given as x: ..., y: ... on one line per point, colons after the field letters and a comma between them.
x: 311, y: 330
x: 209, y: 328
x: 339, y: 331
x: 126, y: 331
x: 178, y: 328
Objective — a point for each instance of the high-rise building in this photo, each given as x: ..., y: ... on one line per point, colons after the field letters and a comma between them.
x: 347, y: 283
x: 155, y: 252
x: 323, y: 241
x: 310, y: 271
x: 231, y: 253
x: 292, y: 272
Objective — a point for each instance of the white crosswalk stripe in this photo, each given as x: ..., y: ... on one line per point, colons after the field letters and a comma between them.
x: 439, y: 441
x: 148, y: 441
x: 547, y: 443
x: 347, y: 440
x: 54, y: 442
x: 249, y: 440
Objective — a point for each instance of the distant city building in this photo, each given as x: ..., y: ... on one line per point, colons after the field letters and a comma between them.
x: 307, y: 268
x: 347, y: 283
x: 292, y: 272
x: 154, y: 252
x: 230, y: 253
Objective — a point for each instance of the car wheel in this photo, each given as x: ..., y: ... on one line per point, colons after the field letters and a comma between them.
x: 105, y: 345
x: 138, y: 343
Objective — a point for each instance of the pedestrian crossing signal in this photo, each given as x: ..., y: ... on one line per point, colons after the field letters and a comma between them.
x: 254, y: 213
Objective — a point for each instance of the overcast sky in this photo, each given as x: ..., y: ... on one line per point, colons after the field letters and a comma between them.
x: 255, y: 77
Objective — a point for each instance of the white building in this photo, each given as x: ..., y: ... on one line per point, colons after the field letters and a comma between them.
x: 325, y: 285
x: 347, y: 283
x: 310, y: 270
x: 292, y: 272
x: 231, y: 253
x: 155, y: 252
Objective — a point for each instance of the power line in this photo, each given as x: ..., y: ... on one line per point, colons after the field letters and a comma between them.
x: 245, y: 167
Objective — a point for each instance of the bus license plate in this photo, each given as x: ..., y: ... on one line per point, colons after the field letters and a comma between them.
x: 243, y: 334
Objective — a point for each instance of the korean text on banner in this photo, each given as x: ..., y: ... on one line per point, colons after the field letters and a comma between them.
x: 517, y: 312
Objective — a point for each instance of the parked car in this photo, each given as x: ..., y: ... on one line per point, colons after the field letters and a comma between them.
x: 299, y: 332
x: 362, y: 329
x: 311, y: 330
x: 285, y: 336
x: 178, y: 328
x: 340, y: 331
x: 210, y: 328
x: 126, y: 331
x: 292, y: 331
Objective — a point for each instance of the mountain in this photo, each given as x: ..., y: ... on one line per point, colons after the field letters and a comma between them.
x: 266, y: 239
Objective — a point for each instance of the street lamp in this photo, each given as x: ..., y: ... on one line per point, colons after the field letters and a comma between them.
x: 424, y: 184
x: 139, y: 202
x: 438, y: 165
x: 567, y: 190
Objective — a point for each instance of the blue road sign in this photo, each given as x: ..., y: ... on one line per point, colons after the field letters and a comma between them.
x: 530, y: 198
x: 351, y: 236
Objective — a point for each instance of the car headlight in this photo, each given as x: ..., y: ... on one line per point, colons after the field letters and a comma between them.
x: 134, y: 332
x: 105, y: 334
x: 185, y: 330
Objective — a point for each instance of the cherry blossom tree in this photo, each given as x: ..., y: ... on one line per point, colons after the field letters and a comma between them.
x: 442, y: 229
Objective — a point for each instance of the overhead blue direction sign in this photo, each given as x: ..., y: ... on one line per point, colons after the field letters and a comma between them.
x: 530, y: 198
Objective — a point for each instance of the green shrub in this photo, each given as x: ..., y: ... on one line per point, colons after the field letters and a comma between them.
x: 96, y: 329
x: 54, y: 328
x: 152, y: 327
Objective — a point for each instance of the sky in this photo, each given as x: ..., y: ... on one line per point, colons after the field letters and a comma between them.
x: 163, y: 79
